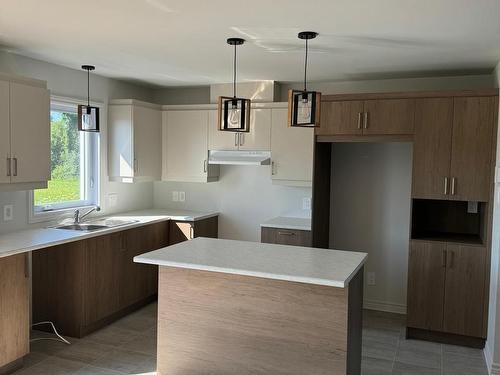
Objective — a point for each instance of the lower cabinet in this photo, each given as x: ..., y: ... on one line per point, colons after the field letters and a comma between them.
x: 187, y: 230
x: 85, y: 285
x: 14, y: 311
x: 446, y: 290
x: 283, y: 236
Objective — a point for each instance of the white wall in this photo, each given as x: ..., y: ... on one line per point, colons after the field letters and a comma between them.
x: 73, y: 83
x: 370, y: 212
x: 244, y: 195
x: 492, y: 349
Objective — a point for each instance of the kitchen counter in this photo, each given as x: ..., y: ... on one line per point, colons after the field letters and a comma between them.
x: 285, y: 222
x: 279, y: 262
x: 261, y: 307
x: 34, y: 239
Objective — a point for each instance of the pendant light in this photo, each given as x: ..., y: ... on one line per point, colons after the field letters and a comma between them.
x: 303, y: 105
x: 234, y: 112
x: 88, y: 116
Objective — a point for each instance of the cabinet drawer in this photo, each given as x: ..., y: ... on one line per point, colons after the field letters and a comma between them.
x: 283, y: 236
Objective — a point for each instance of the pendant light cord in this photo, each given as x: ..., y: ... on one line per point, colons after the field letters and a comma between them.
x: 234, y: 73
x: 305, y: 68
x: 88, y: 88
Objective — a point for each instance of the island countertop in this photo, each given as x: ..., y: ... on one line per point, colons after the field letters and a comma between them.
x: 280, y: 262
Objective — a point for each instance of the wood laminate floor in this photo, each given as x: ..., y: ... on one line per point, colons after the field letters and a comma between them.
x: 129, y: 347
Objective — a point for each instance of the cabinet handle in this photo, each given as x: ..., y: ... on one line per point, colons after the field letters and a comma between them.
x: 26, y: 265
x: 15, y: 166
x: 366, y: 120
x: 9, y: 171
x: 205, y: 166
x: 191, y: 232
x: 453, y: 185
x: 359, y: 120
x: 236, y: 135
x: 242, y: 139
x: 446, y: 186
x: 444, y: 259
x: 286, y: 233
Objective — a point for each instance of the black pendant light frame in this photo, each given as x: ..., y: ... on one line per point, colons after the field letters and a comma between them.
x: 227, y: 104
x: 85, y: 110
x: 298, y: 98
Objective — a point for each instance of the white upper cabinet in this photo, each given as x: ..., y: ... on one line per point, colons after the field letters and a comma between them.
x: 291, y: 151
x: 185, y: 146
x: 24, y: 134
x: 134, y: 139
x: 258, y: 139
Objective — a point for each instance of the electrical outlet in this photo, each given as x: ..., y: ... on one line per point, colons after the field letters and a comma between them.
x: 8, y: 212
x: 370, y: 278
x: 472, y: 207
x: 306, y: 203
x: 112, y: 200
x: 175, y: 196
x: 182, y: 196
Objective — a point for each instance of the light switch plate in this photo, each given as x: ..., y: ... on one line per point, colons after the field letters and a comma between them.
x: 472, y: 207
x: 370, y: 278
x: 182, y: 196
x: 306, y: 203
x: 112, y: 200
x: 175, y: 196
x: 8, y: 212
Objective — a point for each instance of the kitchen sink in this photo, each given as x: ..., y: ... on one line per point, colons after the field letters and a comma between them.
x: 90, y: 226
x: 82, y: 227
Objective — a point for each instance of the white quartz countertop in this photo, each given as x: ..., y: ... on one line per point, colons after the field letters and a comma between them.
x: 285, y: 222
x: 34, y: 239
x: 291, y: 263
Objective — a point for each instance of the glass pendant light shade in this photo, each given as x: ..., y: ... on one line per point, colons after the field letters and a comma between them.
x: 304, y: 106
x: 88, y: 116
x: 234, y: 112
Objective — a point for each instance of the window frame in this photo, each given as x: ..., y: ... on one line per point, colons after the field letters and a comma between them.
x: 91, y: 173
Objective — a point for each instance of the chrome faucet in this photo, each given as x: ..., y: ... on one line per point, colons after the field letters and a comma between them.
x: 79, y: 217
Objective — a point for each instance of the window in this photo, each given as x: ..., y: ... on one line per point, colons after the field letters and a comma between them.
x: 74, y: 163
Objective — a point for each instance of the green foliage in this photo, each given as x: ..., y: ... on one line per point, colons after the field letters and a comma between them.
x: 65, y: 146
x: 58, y: 191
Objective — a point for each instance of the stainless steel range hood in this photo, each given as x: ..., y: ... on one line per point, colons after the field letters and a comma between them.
x: 239, y: 157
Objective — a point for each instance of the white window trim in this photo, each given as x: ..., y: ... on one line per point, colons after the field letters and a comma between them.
x: 62, y: 210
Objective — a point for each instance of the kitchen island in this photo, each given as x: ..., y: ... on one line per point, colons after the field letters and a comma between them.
x: 235, y: 307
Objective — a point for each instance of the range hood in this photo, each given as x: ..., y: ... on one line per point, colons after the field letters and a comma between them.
x: 239, y: 157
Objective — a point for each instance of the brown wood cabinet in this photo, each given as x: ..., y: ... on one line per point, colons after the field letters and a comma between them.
x: 187, y: 230
x: 446, y: 288
x: 85, y: 285
x: 283, y: 236
x: 368, y: 117
x: 453, y: 148
x: 14, y: 311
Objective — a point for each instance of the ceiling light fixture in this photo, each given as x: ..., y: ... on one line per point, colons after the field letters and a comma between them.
x: 303, y: 105
x: 88, y: 116
x: 234, y: 112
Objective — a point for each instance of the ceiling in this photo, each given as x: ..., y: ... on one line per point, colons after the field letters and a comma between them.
x: 182, y: 42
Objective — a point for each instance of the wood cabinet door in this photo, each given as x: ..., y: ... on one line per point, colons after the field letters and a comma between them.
x: 426, y: 285
x: 291, y: 150
x: 147, y: 142
x: 185, y: 146
x: 30, y: 133
x: 220, y: 140
x: 473, y: 125
x: 286, y: 236
x: 465, y: 290
x: 187, y: 230
x: 14, y: 308
x: 341, y: 118
x: 389, y: 116
x: 102, y: 276
x: 432, y: 148
x: 4, y: 133
x: 259, y: 136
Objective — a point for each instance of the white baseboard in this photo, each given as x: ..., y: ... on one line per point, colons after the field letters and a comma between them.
x: 385, y: 306
x: 493, y: 368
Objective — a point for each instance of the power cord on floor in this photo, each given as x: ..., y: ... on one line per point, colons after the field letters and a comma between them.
x: 60, y: 338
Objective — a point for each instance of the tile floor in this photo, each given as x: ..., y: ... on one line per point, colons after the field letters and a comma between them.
x: 129, y: 347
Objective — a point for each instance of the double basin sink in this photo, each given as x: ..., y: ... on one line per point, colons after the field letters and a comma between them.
x: 93, y: 225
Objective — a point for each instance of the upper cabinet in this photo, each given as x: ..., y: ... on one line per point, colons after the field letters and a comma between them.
x: 185, y: 146
x: 134, y: 140
x: 291, y: 150
x: 258, y: 139
x: 368, y: 117
x: 453, y: 148
x: 24, y: 134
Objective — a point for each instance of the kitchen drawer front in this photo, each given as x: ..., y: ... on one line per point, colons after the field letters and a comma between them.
x: 283, y: 236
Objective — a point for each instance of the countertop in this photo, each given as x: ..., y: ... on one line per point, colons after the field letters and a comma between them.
x: 291, y: 263
x: 285, y: 222
x: 34, y: 239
